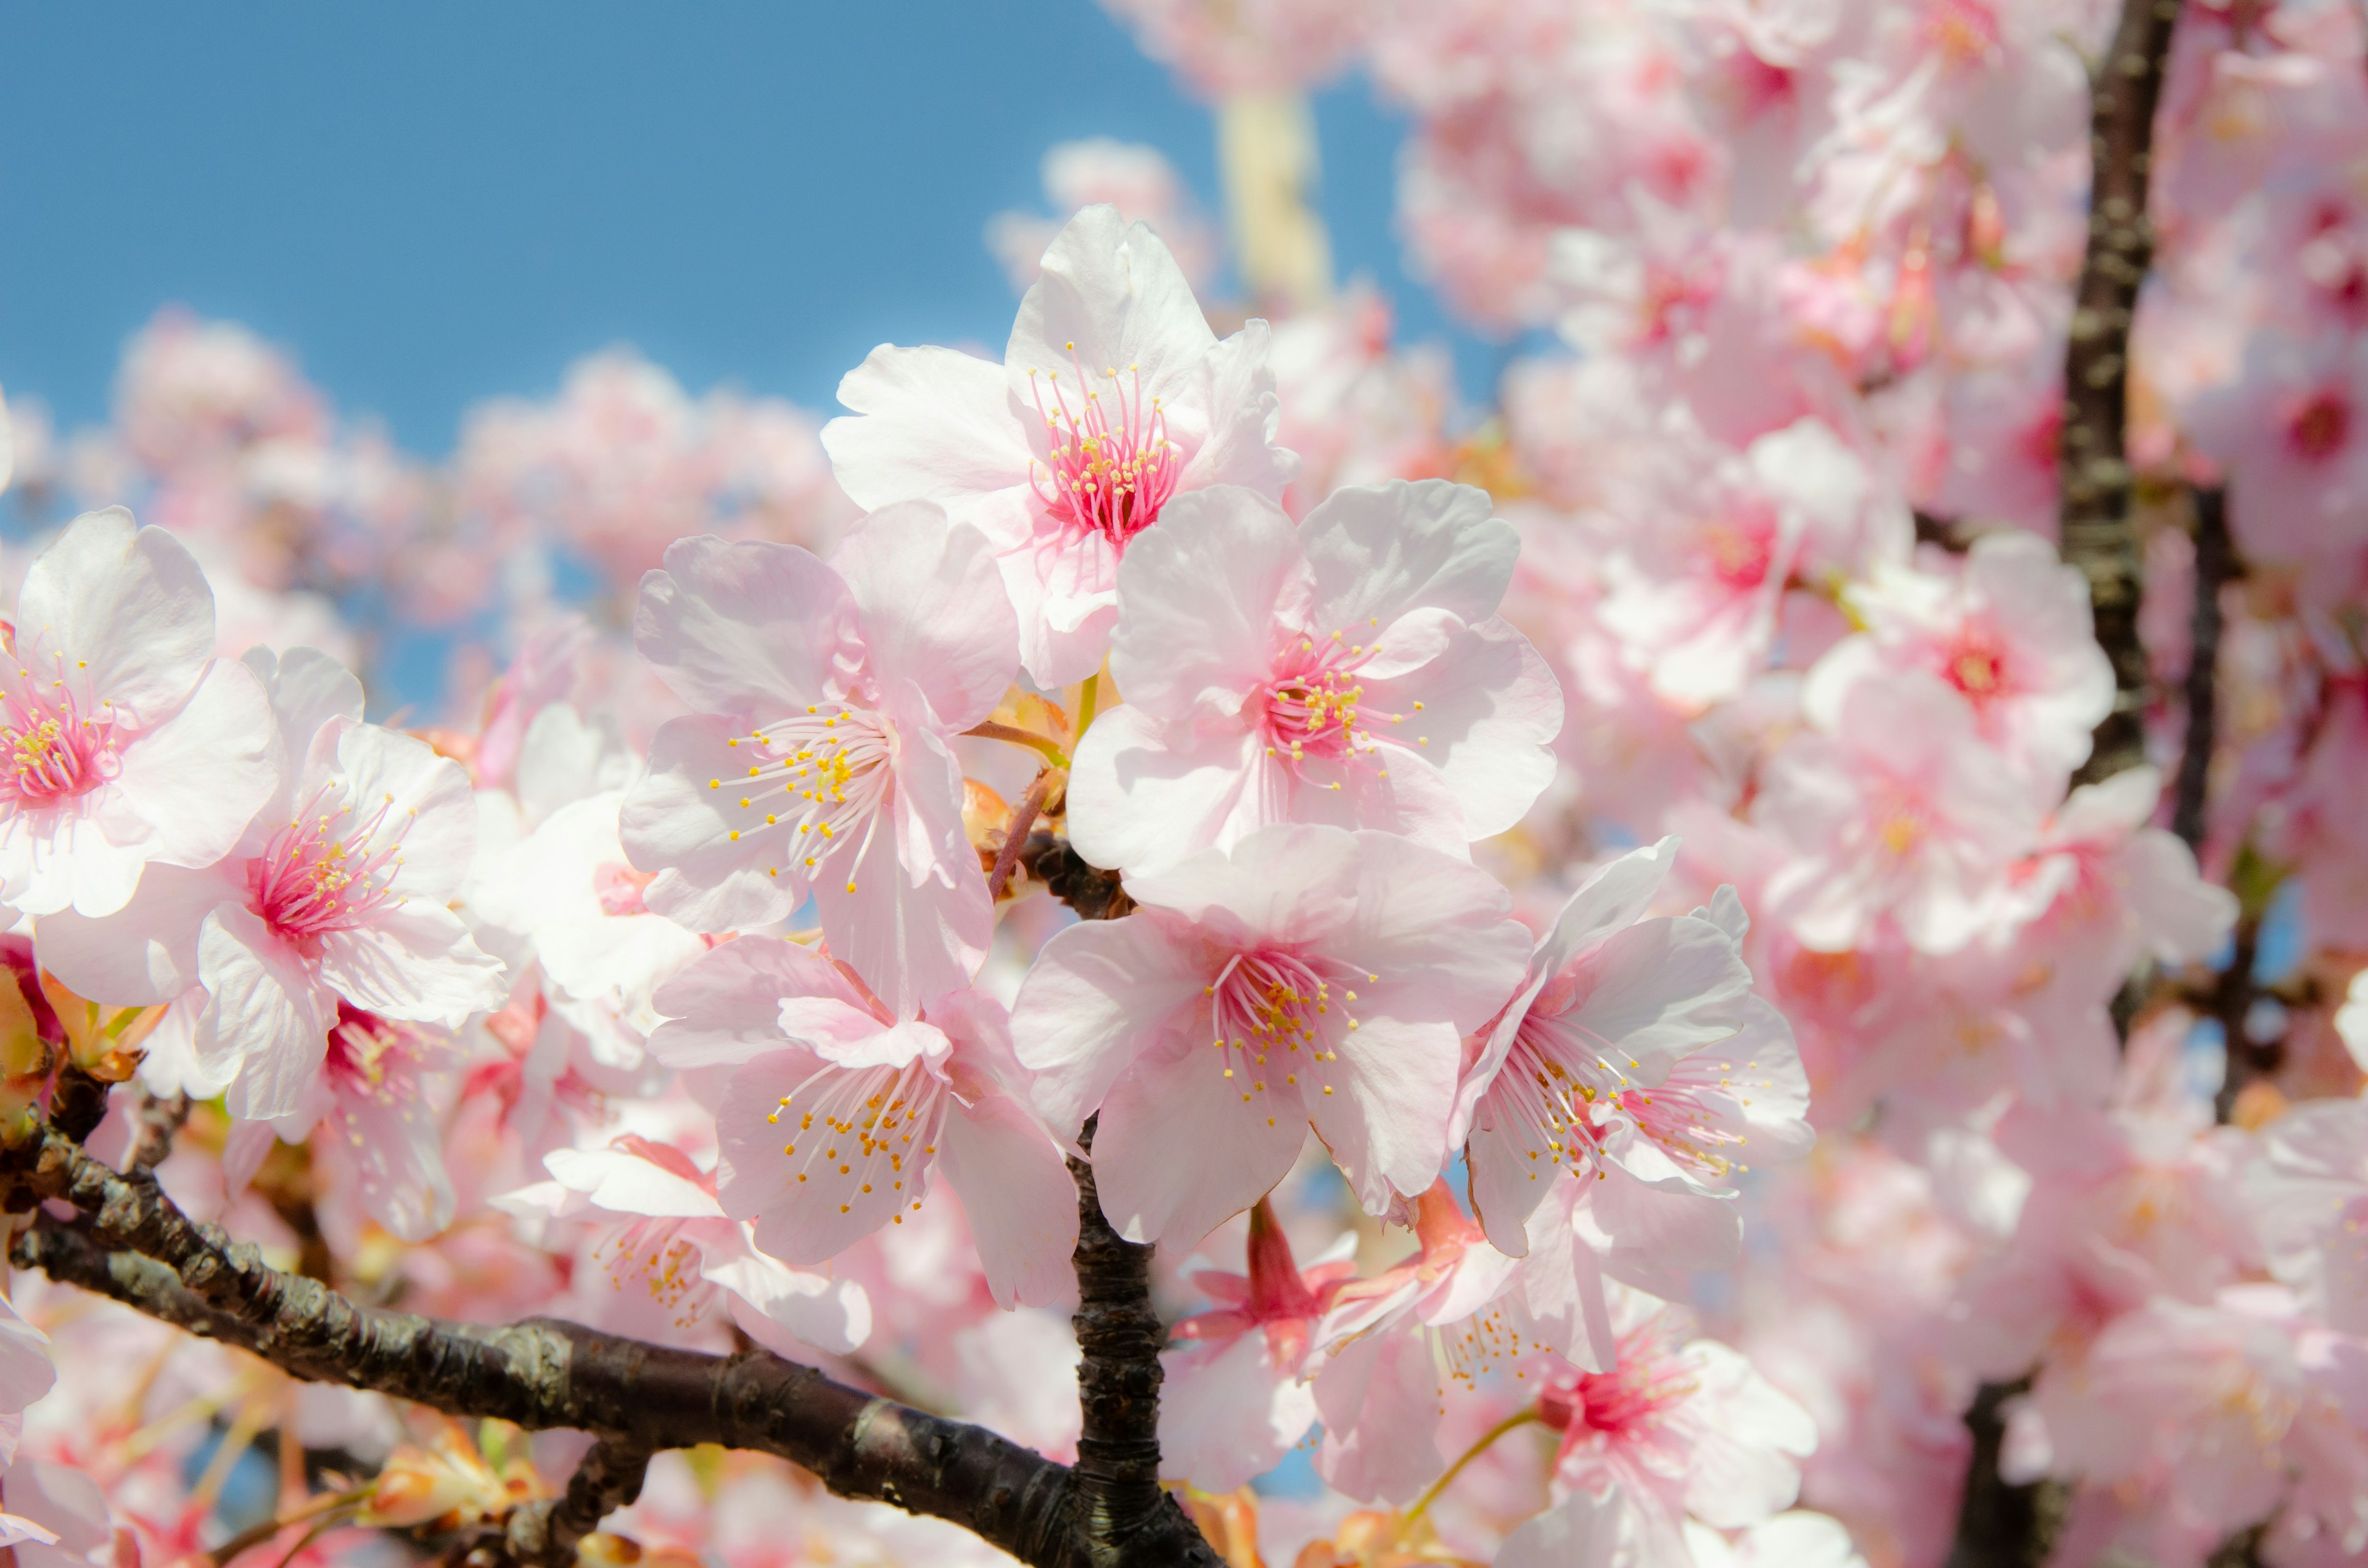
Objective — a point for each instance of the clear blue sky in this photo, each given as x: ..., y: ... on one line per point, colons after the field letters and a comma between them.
x: 436, y: 201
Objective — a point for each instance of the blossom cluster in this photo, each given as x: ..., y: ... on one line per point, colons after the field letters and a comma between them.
x: 1629, y: 1009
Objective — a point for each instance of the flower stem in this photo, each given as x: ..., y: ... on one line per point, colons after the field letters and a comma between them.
x: 990, y: 729
x: 1521, y: 1417
x: 1086, y: 694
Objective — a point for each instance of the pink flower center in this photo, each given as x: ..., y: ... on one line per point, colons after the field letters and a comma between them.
x: 1623, y: 1404
x: 1547, y: 1092
x: 1271, y: 1003
x: 813, y: 788
x: 1312, y: 703
x: 1975, y: 662
x: 59, y: 745
x: 324, y: 873
x: 1738, y: 551
x: 654, y: 1255
x: 1111, y: 467
x: 619, y: 888
x: 2320, y: 428
x: 1962, y: 33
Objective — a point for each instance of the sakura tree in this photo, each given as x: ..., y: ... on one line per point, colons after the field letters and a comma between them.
x: 1180, y: 948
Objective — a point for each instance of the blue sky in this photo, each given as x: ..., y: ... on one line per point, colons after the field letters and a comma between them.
x: 441, y: 201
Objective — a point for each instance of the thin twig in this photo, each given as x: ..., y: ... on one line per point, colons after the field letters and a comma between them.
x: 1015, y: 834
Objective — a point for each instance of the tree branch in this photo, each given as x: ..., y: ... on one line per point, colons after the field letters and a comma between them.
x: 2100, y: 536
x: 2215, y: 565
x: 133, y: 1245
x: 544, y: 1534
x: 1119, y: 1339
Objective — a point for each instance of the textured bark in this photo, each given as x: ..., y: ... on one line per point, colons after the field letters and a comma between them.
x: 2100, y: 536
x: 77, y: 1103
x: 544, y: 1534
x: 2215, y: 565
x: 1119, y: 1336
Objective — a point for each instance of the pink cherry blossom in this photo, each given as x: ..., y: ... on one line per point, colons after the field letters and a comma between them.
x: 674, y: 1256
x: 818, y: 763
x: 1635, y: 1060
x: 1351, y: 670
x: 899, y: 1098
x: 1307, y: 976
x: 2011, y: 635
x: 1236, y: 1396
x: 1137, y: 180
x: 378, y: 1105
x: 1682, y: 1428
x: 128, y: 744
x: 1114, y: 396
x: 335, y: 894
x: 1894, y: 815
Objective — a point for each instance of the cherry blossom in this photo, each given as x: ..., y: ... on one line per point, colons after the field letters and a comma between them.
x: 1351, y: 670
x: 671, y: 1252
x: 334, y: 895
x: 129, y: 745
x: 1114, y: 397
x: 827, y: 695
x: 1307, y: 976
x: 899, y: 1098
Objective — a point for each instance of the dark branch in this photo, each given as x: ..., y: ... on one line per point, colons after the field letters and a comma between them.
x: 2215, y: 564
x: 1093, y: 893
x: 136, y: 1246
x: 544, y: 1535
x: 1119, y: 1338
x: 2100, y: 535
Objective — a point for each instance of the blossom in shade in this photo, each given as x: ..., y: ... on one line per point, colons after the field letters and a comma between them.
x: 818, y: 762
x: 123, y: 742
x: 1307, y: 976
x: 378, y: 1104
x: 336, y: 894
x: 1113, y: 398
x: 1235, y: 1395
x: 667, y: 1247
x: 838, y: 1112
x: 1350, y: 669
x: 1637, y: 1061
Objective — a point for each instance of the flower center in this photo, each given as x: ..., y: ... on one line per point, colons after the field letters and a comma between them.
x: 655, y: 1255
x: 1740, y: 552
x: 818, y: 778
x: 866, y: 1146
x: 1112, y: 465
x: 2320, y: 426
x: 1553, y: 1080
x: 1975, y: 664
x: 619, y: 888
x: 1313, y: 705
x: 1625, y: 1403
x: 1271, y: 1002
x: 322, y: 873
x: 55, y: 744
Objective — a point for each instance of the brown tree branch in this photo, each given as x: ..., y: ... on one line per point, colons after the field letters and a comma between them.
x: 2100, y: 536
x: 545, y: 1534
x: 1119, y: 1338
x: 2215, y: 565
x: 132, y: 1244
